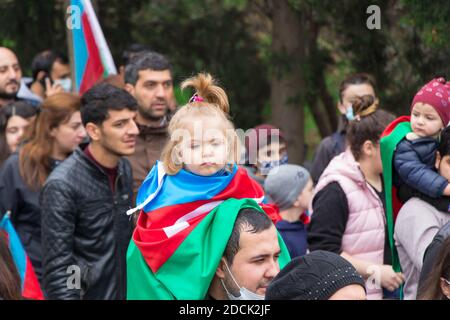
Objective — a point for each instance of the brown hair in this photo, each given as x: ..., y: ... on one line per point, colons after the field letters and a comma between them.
x: 34, y: 162
x: 357, y: 78
x: 10, y: 284
x: 431, y: 288
x: 369, y: 123
x: 214, y: 105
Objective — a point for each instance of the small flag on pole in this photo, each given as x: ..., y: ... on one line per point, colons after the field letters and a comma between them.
x: 30, y: 285
x: 92, y: 59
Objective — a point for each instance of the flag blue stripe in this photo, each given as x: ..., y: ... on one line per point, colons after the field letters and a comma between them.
x: 17, y: 250
x: 79, y: 47
x: 181, y: 188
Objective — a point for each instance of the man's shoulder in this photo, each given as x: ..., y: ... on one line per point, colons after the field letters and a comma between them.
x: 68, y: 171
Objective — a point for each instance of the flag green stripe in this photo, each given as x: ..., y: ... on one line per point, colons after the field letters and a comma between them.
x: 189, y: 271
x: 388, y: 146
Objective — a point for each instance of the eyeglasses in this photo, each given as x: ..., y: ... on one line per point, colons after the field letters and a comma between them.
x: 446, y: 281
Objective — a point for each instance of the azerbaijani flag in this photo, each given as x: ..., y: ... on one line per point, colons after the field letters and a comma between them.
x: 391, y: 136
x: 30, y: 285
x: 182, y: 231
x: 91, y: 56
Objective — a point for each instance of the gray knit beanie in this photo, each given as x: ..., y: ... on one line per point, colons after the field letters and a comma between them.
x: 285, y: 183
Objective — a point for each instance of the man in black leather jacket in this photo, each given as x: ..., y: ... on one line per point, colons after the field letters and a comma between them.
x: 85, y: 230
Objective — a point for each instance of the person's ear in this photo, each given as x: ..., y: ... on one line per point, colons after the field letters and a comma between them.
x: 297, y: 201
x: 53, y: 132
x: 341, y: 107
x: 368, y: 148
x: 445, y: 288
x: 220, y: 271
x: 437, y: 162
x: 93, y: 131
x: 129, y: 88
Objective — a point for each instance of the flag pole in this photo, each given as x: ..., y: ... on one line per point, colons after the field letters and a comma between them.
x: 69, y: 25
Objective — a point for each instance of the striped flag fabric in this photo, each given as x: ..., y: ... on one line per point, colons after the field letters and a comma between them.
x: 174, y: 215
x: 92, y: 58
x: 390, y: 138
x: 30, y: 285
x: 188, y: 272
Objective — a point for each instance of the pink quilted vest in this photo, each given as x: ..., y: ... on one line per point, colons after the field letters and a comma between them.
x: 365, y: 230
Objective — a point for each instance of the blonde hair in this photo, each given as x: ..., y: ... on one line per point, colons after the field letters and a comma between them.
x: 214, y: 105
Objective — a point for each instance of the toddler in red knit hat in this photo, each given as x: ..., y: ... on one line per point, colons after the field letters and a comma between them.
x: 415, y: 156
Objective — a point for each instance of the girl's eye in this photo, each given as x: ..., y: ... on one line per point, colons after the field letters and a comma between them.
x: 12, y: 130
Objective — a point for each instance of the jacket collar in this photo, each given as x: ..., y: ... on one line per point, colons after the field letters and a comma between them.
x: 79, y: 152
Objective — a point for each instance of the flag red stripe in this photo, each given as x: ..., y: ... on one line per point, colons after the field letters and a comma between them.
x: 394, y: 124
x: 31, y: 288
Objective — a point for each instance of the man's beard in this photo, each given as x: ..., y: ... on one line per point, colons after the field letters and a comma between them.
x: 148, y: 113
x: 9, y: 96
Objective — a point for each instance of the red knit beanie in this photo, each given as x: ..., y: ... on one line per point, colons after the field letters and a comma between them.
x: 436, y: 93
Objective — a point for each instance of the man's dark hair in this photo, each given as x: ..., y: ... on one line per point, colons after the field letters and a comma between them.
x: 42, y: 62
x: 60, y: 57
x: 132, y: 50
x: 444, y: 143
x: 145, y: 61
x: 248, y: 220
x: 97, y: 101
x: 357, y: 78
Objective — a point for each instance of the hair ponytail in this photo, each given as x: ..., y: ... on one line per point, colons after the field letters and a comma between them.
x: 368, y: 124
x: 205, y: 86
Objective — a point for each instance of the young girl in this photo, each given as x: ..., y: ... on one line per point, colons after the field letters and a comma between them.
x: 196, y: 174
x: 414, y: 157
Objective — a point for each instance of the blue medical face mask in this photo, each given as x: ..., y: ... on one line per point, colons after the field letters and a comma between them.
x: 65, y: 83
x: 349, y: 113
x: 266, y: 166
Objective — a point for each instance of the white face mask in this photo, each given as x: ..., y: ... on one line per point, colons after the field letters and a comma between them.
x: 245, y: 294
x: 65, y: 83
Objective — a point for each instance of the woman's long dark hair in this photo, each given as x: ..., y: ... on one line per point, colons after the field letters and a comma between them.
x: 10, y: 285
x: 34, y: 157
x: 431, y: 288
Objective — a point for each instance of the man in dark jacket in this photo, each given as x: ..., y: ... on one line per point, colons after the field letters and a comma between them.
x: 85, y: 231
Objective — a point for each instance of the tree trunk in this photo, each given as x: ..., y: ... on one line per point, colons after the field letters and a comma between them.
x: 288, y: 83
x: 321, y: 118
x: 329, y: 105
